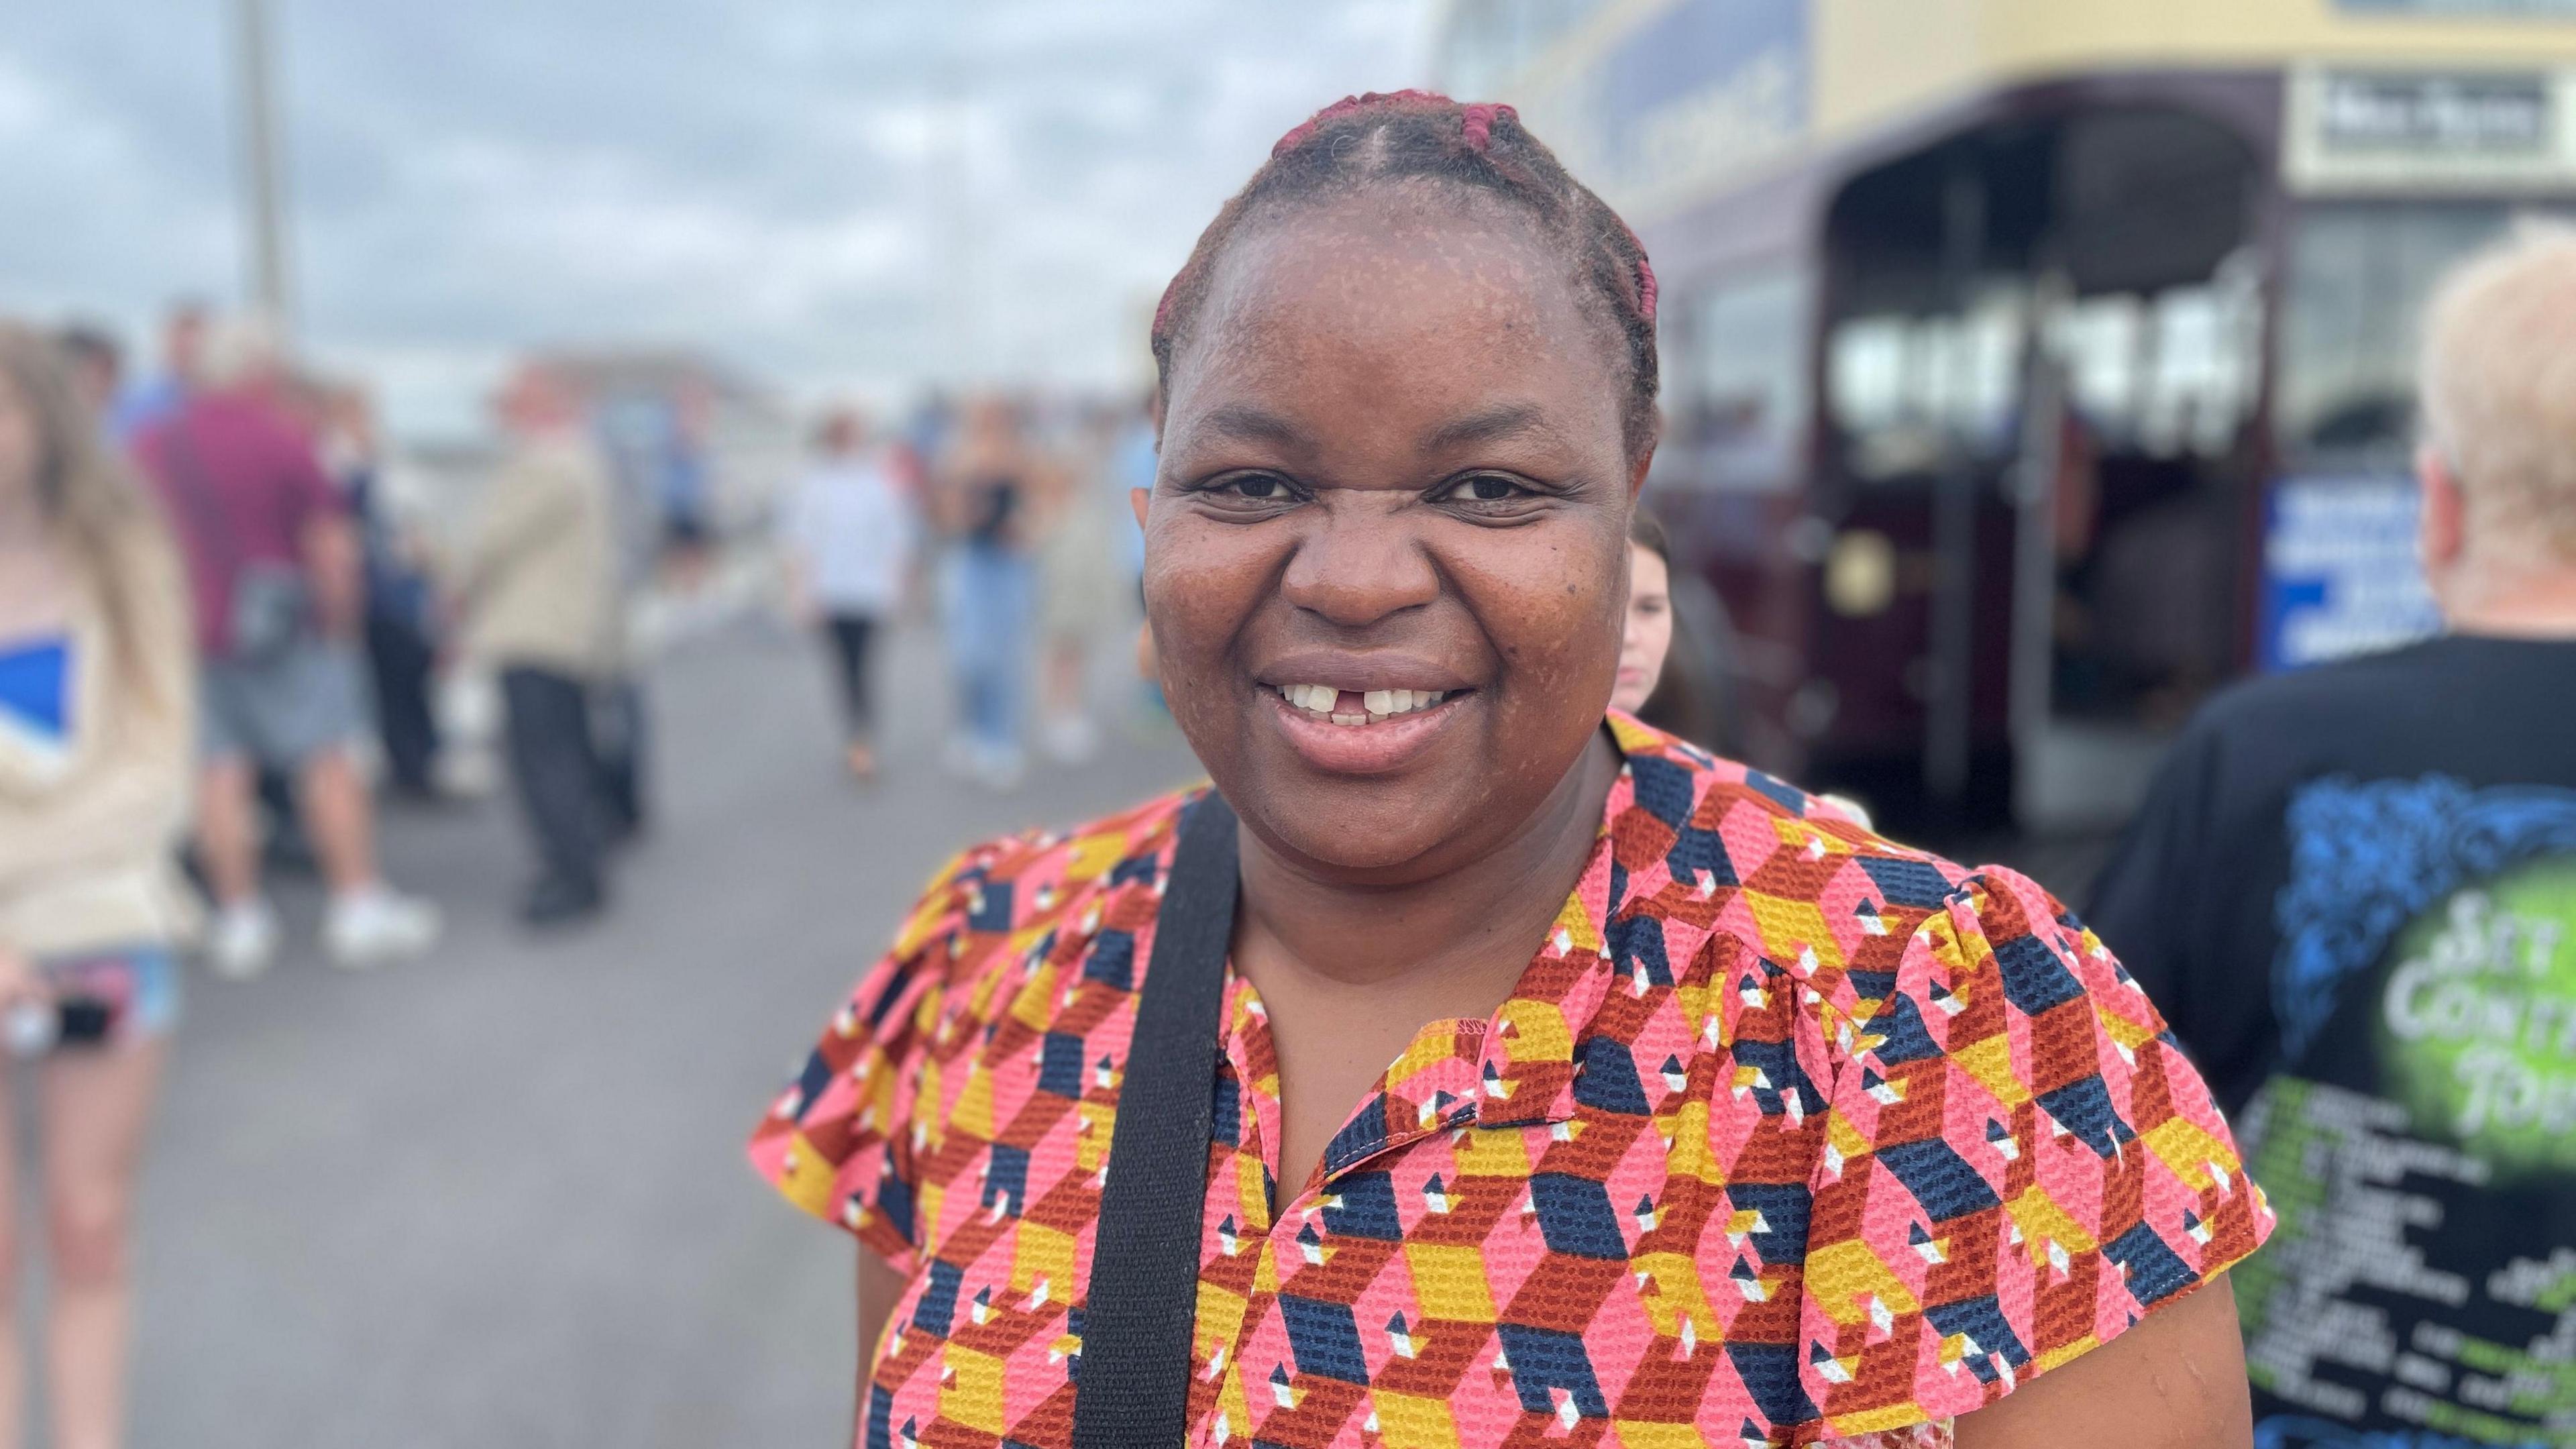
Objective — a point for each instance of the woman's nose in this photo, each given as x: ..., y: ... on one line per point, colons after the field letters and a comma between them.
x: 1355, y: 571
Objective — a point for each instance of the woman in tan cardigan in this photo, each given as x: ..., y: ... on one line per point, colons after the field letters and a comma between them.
x: 95, y: 685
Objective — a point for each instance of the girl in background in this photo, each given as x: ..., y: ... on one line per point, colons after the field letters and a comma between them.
x: 1663, y: 670
x: 1647, y: 636
x: 849, y: 538
x: 988, y: 590
x: 96, y: 698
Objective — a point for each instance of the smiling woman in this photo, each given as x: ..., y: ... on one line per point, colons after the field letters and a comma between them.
x: 1566, y: 1081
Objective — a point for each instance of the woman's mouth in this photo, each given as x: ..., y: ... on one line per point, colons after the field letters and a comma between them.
x: 1356, y: 707
x: 1363, y: 731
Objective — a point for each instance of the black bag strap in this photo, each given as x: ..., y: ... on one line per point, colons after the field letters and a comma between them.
x: 1142, y: 1304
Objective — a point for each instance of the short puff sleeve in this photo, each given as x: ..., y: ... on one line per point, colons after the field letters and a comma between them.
x: 839, y: 1142
x: 2017, y: 1165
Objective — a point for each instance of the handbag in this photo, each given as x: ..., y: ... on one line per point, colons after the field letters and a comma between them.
x: 270, y: 606
x: 1132, y: 1381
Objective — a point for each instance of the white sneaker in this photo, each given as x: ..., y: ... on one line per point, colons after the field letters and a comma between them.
x: 242, y: 940
x: 376, y: 925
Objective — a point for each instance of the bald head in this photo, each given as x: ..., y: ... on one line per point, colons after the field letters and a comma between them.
x: 2499, y: 395
x: 536, y: 401
x: 240, y: 351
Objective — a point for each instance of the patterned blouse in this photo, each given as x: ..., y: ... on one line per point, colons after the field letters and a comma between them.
x: 1788, y: 1135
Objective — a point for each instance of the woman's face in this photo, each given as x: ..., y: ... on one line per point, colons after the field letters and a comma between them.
x: 1386, y: 549
x: 22, y: 443
x: 1650, y: 629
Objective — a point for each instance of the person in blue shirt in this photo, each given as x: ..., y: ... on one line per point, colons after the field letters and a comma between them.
x: 152, y: 401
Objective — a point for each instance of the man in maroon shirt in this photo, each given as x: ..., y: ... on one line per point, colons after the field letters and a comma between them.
x: 273, y: 567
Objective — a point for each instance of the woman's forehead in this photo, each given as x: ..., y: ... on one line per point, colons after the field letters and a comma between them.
x: 1354, y: 266
x: 1433, y: 327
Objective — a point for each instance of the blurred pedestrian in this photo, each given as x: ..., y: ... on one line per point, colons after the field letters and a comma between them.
x: 1663, y: 674
x: 401, y: 605
x: 1482, y: 1069
x: 686, y: 488
x: 274, y: 570
x: 849, y: 542
x: 151, y: 401
x: 97, y: 362
x: 634, y: 433
x: 1648, y: 635
x: 1083, y: 593
x: 2353, y: 892
x: 538, y: 591
x: 985, y: 489
x: 1131, y: 468
x: 95, y: 705
x: 1132, y: 460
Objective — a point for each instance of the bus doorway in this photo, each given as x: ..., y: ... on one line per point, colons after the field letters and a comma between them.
x: 2039, y: 461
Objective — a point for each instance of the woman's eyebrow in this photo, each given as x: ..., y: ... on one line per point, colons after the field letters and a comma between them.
x: 1503, y: 420
x: 1244, y: 422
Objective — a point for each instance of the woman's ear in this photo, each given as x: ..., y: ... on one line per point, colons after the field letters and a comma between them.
x: 1645, y: 459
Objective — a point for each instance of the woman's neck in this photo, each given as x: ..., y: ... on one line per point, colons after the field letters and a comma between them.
x: 1476, y: 921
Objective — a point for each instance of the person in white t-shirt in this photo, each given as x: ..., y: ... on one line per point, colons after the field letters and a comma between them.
x: 849, y: 538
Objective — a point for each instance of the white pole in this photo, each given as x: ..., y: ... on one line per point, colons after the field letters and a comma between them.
x: 263, y: 169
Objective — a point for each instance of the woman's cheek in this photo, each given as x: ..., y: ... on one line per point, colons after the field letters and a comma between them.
x: 1553, y: 606
x: 1200, y: 584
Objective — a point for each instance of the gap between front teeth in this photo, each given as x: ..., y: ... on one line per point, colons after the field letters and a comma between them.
x: 1381, y: 704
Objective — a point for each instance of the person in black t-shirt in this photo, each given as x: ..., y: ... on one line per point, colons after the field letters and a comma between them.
x: 2353, y: 894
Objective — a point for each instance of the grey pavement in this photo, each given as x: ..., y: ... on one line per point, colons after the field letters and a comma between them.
x: 497, y: 1197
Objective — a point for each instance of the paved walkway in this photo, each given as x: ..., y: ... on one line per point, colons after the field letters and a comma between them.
x: 497, y: 1197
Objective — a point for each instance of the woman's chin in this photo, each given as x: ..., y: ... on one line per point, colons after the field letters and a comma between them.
x: 1362, y: 826
x: 1353, y: 836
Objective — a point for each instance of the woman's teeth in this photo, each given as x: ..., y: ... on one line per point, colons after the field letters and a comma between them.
x: 1359, y: 707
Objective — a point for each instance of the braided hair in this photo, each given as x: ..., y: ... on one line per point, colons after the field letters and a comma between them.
x: 1363, y: 141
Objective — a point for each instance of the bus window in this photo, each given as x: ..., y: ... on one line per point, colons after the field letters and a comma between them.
x: 2173, y: 375
x: 1741, y: 398
x: 2360, y: 273
x: 1906, y: 389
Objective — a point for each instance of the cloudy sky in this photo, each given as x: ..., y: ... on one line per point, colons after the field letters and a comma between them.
x: 836, y: 194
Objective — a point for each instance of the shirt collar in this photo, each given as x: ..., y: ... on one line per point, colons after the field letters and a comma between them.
x: 1536, y: 1042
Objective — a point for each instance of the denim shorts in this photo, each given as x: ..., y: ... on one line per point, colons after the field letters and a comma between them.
x: 137, y: 987
x: 282, y: 711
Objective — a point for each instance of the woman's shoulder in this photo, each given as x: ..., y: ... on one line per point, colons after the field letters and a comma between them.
x: 1005, y: 899
x: 1803, y: 882
x: 1758, y: 816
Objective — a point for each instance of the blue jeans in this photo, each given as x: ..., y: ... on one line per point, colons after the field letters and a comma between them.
x: 986, y: 596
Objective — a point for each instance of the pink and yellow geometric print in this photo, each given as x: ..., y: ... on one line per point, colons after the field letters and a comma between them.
x: 1788, y: 1135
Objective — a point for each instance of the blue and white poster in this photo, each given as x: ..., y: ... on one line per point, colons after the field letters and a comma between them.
x: 2340, y: 572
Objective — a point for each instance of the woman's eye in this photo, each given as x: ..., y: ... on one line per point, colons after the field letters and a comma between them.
x: 1488, y: 489
x: 1249, y: 488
